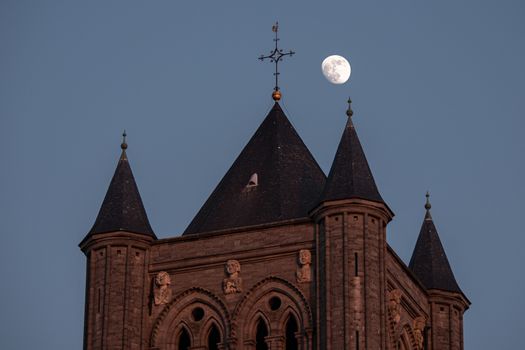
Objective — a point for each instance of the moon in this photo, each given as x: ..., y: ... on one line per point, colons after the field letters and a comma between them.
x: 336, y: 69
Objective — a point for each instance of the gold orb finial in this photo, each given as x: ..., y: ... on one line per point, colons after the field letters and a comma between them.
x: 124, y: 145
x: 276, y: 95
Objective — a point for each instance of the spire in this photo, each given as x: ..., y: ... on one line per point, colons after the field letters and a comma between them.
x: 429, y: 261
x: 122, y: 209
x: 350, y: 175
x: 275, y: 178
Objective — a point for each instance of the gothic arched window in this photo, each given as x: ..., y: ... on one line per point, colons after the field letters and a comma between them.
x: 291, y: 329
x: 262, y: 332
x: 184, y: 340
x: 214, y: 338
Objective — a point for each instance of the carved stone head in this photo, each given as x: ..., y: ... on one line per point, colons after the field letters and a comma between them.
x: 233, y: 267
x: 162, y: 279
x: 395, y: 297
x: 305, y: 257
x: 418, y: 324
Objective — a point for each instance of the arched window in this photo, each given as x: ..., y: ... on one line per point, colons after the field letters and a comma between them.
x: 214, y: 338
x: 184, y: 340
x: 262, y: 332
x: 291, y: 329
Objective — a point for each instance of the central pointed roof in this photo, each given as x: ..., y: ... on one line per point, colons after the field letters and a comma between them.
x: 429, y: 261
x: 350, y: 175
x: 287, y: 184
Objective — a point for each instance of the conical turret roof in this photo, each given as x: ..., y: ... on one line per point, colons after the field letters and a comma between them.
x: 275, y: 178
x: 122, y: 209
x: 350, y: 175
x: 429, y: 261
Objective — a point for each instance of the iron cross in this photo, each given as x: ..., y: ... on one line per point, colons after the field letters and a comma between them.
x: 276, y: 55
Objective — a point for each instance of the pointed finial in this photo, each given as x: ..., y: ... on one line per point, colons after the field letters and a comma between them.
x: 349, y: 111
x: 427, y: 204
x: 124, y: 145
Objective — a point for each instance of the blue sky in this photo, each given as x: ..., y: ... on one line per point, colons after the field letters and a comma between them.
x: 438, y: 91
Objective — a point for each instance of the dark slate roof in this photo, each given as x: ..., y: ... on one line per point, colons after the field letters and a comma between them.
x: 350, y: 175
x: 289, y: 181
x: 429, y: 261
x: 122, y: 209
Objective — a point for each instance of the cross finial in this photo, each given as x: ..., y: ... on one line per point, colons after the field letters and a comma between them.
x: 349, y: 111
x: 124, y: 145
x: 276, y: 56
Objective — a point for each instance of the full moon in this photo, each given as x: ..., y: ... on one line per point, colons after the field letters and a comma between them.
x: 336, y: 69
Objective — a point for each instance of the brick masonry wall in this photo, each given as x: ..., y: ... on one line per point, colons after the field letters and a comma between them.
x: 193, y: 261
x: 330, y: 309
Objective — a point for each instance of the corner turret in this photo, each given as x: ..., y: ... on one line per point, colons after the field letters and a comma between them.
x: 351, y: 224
x: 447, y: 302
x: 429, y: 261
x: 122, y: 208
x: 117, y: 249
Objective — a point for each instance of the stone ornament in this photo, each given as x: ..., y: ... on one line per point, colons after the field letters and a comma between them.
x: 233, y: 283
x: 394, y: 305
x: 418, y: 326
x: 162, y: 291
x: 304, y: 271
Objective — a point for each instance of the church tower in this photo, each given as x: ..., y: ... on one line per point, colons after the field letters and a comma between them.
x: 117, y: 248
x: 279, y: 257
x: 351, y: 244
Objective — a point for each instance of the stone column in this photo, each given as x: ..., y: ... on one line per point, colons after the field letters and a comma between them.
x: 275, y: 342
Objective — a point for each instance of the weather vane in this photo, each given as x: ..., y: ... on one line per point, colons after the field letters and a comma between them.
x: 276, y: 56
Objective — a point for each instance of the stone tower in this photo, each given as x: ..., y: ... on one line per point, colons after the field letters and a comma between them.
x: 279, y: 257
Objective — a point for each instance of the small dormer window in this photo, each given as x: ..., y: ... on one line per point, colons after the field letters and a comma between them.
x: 254, y: 180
